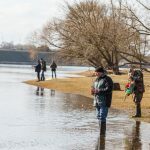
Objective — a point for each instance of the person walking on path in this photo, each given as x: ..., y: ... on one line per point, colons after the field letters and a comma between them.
x: 38, y: 69
x: 43, y: 68
x: 102, y: 92
x: 138, y: 90
x: 53, y: 67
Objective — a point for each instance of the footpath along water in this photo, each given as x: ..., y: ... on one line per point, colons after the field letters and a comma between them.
x: 32, y: 118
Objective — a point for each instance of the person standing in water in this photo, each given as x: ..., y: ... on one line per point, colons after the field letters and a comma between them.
x: 102, y: 92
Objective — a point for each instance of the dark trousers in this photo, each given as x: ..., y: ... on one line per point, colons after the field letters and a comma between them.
x: 38, y: 76
x: 102, y: 126
x: 137, y: 100
x: 53, y: 73
x: 138, y: 109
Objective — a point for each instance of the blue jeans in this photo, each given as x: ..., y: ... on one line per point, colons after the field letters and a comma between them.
x: 102, y: 112
x: 42, y: 76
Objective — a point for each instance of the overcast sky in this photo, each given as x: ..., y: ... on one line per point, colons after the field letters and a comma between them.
x: 18, y: 18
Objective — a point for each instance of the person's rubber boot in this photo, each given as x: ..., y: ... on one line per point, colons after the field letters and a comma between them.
x: 103, y: 128
x: 138, y: 110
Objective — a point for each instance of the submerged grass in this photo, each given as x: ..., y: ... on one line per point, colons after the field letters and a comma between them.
x: 82, y: 86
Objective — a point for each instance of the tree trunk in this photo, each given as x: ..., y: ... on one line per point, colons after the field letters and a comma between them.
x: 116, y: 70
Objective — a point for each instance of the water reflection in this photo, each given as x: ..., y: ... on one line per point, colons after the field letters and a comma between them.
x: 77, y: 102
x: 52, y: 92
x: 136, y: 136
x: 101, y: 142
x: 40, y: 91
x: 45, y: 119
x: 134, y: 143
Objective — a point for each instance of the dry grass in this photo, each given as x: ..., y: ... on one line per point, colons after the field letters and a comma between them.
x: 82, y: 86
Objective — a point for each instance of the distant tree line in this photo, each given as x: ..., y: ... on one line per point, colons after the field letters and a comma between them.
x: 99, y: 34
x: 11, y: 46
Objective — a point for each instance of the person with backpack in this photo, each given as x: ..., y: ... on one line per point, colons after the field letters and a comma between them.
x: 53, y: 67
x: 43, y: 68
x: 102, y: 92
x: 138, y: 90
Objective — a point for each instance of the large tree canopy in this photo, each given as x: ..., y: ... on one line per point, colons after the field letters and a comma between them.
x: 96, y: 33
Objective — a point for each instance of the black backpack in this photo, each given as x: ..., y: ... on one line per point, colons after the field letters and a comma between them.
x: 139, y: 82
x: 109, y: 92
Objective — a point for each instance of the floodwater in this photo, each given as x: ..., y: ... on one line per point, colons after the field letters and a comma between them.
x: 33, y: 118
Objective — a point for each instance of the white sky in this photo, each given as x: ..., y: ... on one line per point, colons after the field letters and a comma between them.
x: 18, y: 18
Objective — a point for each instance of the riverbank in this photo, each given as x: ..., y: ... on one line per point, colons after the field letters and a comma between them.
x: 82, y: 86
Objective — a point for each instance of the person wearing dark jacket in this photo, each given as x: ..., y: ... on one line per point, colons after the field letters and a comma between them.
x: 102, y: 92
x: 43, y: 69
x: 53, y: 67
x: 38, y: 69
x: 138, y: 90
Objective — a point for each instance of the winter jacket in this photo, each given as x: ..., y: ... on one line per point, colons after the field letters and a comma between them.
x: 38, y: 68
x: 43, y: 66
x: 139, y: 82
x: 53, y: 66
x: 104, y: 86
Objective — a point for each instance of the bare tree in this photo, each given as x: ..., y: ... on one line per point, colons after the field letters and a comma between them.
x: 140, y: 24
x: 96, y: 33
x: 93, y: 32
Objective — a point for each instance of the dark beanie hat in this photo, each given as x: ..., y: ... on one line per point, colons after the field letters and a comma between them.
x: 100, y: 69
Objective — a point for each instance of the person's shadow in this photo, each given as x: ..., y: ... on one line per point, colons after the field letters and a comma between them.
x: 39, y: 91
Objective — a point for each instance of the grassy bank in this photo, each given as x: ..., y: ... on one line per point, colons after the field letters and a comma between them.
x: 82, y: 86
